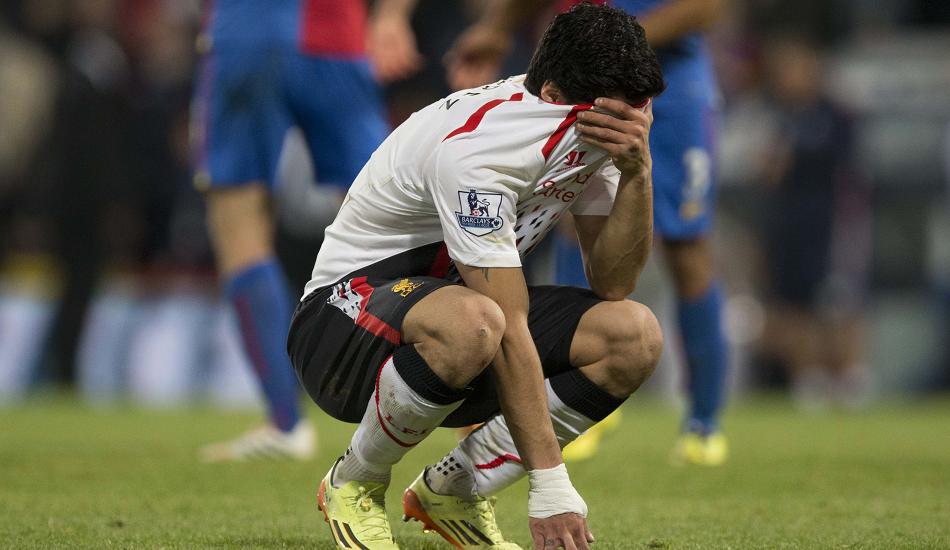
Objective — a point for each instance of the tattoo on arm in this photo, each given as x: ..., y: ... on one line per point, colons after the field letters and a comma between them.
x: 485, y: 272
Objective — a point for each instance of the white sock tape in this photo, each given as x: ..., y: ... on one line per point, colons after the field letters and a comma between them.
x: 551, y: 493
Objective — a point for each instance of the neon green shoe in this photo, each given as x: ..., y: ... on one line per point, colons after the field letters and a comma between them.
x: 356, y: 513
x: 693, y: 448
x: 587, y: 445
x: 463, y: 524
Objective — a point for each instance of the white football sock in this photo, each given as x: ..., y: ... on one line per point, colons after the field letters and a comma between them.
x: 352, y: 467
x: 396, y: 418
x: 487, y: 459
x: 453, y: 475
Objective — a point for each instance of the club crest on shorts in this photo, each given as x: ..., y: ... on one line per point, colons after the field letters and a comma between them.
x: 405, y: 287
x: 478, y: 213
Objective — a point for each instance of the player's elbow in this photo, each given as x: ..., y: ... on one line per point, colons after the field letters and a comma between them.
x: 615, y: 292
x: 708, y: 12
x: 615, y: 286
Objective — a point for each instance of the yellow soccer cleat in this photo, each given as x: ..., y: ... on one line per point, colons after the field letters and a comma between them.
x: 586, y: 446
x: 356, y: 513
x: 693, y: 448
x: 462, y: 523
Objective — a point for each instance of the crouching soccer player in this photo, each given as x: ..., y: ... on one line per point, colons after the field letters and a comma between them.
x: 418, y: 315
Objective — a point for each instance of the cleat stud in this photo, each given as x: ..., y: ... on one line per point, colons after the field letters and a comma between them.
x: 405, y: 517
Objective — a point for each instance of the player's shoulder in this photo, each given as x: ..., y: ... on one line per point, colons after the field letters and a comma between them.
x: 505, y: 117
x: 507, y: 101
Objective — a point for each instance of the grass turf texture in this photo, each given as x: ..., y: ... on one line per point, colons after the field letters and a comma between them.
x: 73, y: 477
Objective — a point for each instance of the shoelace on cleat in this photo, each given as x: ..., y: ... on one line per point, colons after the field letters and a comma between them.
x: 484, y: 510
x: 374, y: 525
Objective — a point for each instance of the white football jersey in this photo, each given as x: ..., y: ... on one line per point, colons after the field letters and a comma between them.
x: 476, y: 178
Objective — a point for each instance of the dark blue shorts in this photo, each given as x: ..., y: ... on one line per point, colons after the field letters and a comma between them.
x: 246, y: 100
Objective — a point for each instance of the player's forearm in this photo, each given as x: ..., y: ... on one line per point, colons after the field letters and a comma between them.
x: 505, y: 16
x: 517, y: 367
x: 520, y: 385
x: 394, y: 8
x: 623, y: 246
x: 673, y: 20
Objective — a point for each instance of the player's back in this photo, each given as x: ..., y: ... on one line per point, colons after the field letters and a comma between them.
x: 507, y: 145
x: 500, y: 121
x: 315, y: 27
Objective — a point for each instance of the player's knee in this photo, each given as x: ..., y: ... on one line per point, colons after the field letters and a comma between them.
x: 635, y: 341
x: 466, y: 343
x: 481, y: 330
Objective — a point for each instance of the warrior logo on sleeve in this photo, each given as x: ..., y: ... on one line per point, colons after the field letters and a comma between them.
x: 478, y: 212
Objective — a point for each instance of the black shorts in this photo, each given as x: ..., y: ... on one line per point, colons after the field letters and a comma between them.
x: 342, y: 334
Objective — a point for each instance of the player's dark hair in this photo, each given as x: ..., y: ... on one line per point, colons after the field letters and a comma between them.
x: 595, y: 51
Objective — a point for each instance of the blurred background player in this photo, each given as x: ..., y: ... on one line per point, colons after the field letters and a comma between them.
x: 816, y: 315
x: 267, y: 67
x: 682, y: 143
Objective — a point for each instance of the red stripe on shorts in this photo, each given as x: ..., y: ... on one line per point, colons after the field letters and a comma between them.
x: 367, y: 320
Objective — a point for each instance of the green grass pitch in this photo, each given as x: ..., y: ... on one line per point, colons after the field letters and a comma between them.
x: 73, y: 477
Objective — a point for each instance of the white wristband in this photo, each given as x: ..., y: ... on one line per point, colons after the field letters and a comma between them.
x: 551, y: 493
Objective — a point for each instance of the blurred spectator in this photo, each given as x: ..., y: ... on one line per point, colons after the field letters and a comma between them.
x: 815, y: 226
x: 156, y: 330
x: 66, y: 193
x: 104, y: 249
x: 29, y: 284
x: 942, y: 378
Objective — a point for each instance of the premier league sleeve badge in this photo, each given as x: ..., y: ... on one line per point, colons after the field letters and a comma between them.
x: 478, y: 212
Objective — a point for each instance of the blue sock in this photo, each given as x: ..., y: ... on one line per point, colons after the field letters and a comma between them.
x: 701, y: 327
x: 260, y: 297
x: 569, y: 263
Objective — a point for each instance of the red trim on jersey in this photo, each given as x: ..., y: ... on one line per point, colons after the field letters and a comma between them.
x: 367, y: 320
x: 440, y: 266
x: 558, y: 134
x: 332, y: 27
x: 498, y: 461
x: 473, y: 121
x: 379, y: 415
